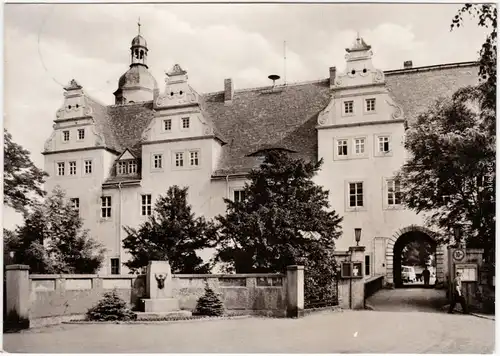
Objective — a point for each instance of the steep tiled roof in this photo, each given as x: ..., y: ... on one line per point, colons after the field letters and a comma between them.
x: 417, y: 88
x: 259, y: 119
x: 104, y: 126
x: 128, y: 122
x: 284, y: 117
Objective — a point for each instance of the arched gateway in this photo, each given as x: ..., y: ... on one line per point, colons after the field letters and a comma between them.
x: 399, y: 239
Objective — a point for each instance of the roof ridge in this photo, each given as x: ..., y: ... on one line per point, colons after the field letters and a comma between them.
x: 432, y: 67
x: 317, y: 81
x: 282, y: 86
x: 141, y: 103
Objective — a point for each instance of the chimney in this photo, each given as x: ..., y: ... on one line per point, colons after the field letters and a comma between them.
x: 228, y: 91
x: 333, y: 71
x: 408, y: 64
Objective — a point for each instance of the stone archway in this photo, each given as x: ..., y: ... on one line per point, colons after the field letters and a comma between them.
x: 391, y: 242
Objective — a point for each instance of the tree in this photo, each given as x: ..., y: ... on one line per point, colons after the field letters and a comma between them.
x: 52, y: 239
x: 209, y: 304
x: 111, y: 308
x: 450, y: 175
x: 284, y: 217
x: 486, y: 15
x: 417, y: 253
x: 22, y: 179
x: 171, y: 233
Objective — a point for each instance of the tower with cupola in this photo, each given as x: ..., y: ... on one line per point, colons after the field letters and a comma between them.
x: 137, y: 84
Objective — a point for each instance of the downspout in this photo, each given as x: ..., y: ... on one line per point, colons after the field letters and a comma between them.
x: 350, y: 282
x: 227, y: 186
x: 119, y: 226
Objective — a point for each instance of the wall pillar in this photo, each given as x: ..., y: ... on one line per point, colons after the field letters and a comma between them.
x: 294, y: 291
x: 357, y: 287
x: 17, y: 295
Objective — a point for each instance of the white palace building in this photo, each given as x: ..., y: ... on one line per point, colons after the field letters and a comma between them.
x: 115, y: 160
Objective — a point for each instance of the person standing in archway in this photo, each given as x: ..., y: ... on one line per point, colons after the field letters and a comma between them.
x: 457, y: 295
x: 427, y: 276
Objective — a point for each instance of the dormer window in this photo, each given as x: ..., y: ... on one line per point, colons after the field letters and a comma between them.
x: 132, y: 167
x: 121, y: 168
x: 127, y: 167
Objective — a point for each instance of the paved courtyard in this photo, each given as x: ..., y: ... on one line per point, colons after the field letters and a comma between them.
x: 326, y: 332
x: 408, y: 299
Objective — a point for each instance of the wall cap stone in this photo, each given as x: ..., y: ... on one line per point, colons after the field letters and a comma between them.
x: 241, y: 275
x: 357, y: 248
x: 294, y: 268
x: 17, y: 268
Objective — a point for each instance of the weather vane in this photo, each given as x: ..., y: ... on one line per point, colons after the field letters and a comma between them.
x: 139, y: 25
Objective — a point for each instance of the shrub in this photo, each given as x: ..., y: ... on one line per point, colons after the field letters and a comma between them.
x: 110, y: 308
x: 209, y: 304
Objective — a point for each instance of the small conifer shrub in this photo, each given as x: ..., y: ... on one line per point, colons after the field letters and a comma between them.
x: 111, y: 308
x: 209, y: 304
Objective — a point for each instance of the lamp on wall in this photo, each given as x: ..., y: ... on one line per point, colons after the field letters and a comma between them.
x: 357, y: 235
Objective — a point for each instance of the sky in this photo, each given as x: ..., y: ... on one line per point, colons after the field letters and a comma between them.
x: 47, y: 45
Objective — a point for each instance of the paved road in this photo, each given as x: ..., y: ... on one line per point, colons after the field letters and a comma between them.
x: 408, y: 299
x: 327, y: 332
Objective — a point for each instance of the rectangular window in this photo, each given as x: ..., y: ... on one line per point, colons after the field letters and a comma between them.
x: 105, y: 207
x: 60, y: 168
x: 158, y: 161
x: 342, y: 147
x: 185, y: 122
x: 348, y: 107
x: 359, y: 145
x: 132, y: 167
x: 81, y: 134
x: 115, y: 266
x: 179, y: 159
x: 393, y: 192
x: 72, y: 168
x: 75, y: 203
x: 370, y: 104
x: 88, y: 166
x: 239, y: 195
x: 121, y: 168
x: 167, y: 124
x: 367, y: 265
x: 66, y: 136
x: 384, y: 144
x: 193, y: 158
x: 355, y: 194
x: 146, y: 204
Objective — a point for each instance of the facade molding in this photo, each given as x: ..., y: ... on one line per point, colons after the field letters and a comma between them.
x: 365, y: 123
x: 81, y: 149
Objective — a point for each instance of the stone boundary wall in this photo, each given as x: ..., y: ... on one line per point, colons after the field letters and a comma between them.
x: 52, y: 298
x: 262, y: 294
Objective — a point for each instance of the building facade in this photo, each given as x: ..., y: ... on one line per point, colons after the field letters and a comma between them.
x: 115, y: 160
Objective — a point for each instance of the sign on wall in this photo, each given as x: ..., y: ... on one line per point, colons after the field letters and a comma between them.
x: 468, y: 271
x: 352, y: 269
x: 458, y: 255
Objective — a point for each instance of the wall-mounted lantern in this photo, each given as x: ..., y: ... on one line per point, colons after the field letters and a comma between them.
x: 357, y: 235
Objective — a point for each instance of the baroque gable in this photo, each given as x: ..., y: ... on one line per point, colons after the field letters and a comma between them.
x: 359, y: 94
x: 75, y: 125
